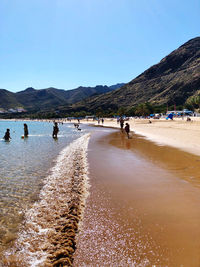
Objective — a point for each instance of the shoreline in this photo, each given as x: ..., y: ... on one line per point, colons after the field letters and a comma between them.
x: 177, y: 133
x: 143, y: 206
x: 116, y: 164
x: 49, y: 228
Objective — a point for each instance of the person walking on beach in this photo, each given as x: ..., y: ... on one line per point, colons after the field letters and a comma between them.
x: 102, y: 120
x: 7, y: 135
x: 25, y: 130
x: 127, y: 130
x: 55, y: 130
x: 121, y: 123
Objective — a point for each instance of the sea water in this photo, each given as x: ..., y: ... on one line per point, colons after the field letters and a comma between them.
x: 40, y: 177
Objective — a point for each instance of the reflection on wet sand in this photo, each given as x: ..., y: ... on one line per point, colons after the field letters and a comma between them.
x: 183, y: 164
x: 144, y: 206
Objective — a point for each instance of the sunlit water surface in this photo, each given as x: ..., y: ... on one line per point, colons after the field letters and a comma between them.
x: 24, y: 163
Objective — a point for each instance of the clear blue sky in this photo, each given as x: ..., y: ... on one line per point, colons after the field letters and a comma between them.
x: 68, y: 43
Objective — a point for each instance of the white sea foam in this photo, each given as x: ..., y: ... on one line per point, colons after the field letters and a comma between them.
x: 70, y: 172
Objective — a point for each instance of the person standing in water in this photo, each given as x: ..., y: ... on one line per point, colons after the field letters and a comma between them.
x: 127, y: 130
x: 25, y: 130
x: 55, y: 130
x: 121, y: 123
x: 7, y: 135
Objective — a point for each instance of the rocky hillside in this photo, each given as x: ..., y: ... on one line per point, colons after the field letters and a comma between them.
x: 175, y: 78
x: 8, y: 99
x: 50, y: 98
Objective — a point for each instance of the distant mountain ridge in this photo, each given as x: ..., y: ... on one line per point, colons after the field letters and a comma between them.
x: 45, y: 99
x: 8, y: 99
x: 172, y: 81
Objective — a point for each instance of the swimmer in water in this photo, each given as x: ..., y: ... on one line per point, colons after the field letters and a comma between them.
x: 25, y: 130
x: 55, y: 130
x: 7, y: 135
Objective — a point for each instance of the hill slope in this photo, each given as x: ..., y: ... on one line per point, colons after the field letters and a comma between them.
x: 8, y: 100
x: 175, y: 78
x: 50, y: 98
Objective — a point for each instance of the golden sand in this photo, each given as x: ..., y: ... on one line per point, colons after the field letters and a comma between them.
x: 144, y: 203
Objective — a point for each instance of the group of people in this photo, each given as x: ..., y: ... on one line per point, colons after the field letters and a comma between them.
x: 121, y: 121
x: 7, y: 136
x: 76, y: 125
x: 100, y: 120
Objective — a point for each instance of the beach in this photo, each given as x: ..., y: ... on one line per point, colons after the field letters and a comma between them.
x: 144, y: 202
x: 137, y: 199
x: 177, y: 133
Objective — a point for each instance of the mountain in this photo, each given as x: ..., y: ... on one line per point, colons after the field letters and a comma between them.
x: 173, y: 80
x: 50, y: 98
x: 8, y: 100
x: 42, y: 99
x: 116, y: 86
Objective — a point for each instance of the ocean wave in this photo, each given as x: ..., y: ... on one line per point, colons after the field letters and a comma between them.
x: 48, y: 234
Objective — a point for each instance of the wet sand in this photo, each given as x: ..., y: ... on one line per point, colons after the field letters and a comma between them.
x: 176, y: 133
x: 144, y: 204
